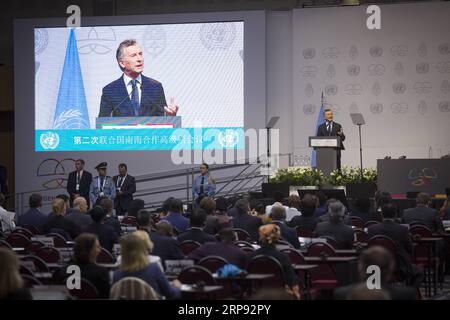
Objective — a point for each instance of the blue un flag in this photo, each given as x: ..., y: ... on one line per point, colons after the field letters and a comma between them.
x: 71, y: 108
x: 320, y: 120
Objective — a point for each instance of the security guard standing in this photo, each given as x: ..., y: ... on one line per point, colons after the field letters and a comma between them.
x: 102, y: 185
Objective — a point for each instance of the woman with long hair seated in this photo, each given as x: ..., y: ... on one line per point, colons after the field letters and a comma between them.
x: 135, y: 248
x: 269, y: 234
x: 11, y: 283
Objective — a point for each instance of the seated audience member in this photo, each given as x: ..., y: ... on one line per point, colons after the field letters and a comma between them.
x: 196, y: 232
x: 136, y: 263
x: 288, y: 234
x: 7, y: 223
x: 326, y: 217
x: 33, y: 217
x: 225, y: 221
x: 11, y: 283
x: 165, y: 207
x: 134, y: 207
x: 278, y: 198
x: 108, y: 205
x: 164, y: 228
x: 423, y: 214
x: 106, y: 234
x: 258, y: 209
x: 165, y: 247
x: 175, y: 216
x: 224, y: 248
x: 322, y: 204
x: 295, y: 205
x: 444, y: 212
x: 404, y: 247
x: 335, y: 227
x: 307, y: 220
x: 59, y: 223
x: 212, y: 221
x: 244, y: 220
x: 382, y: 198
x: 362, y: 292
x: 363, y: 209
x: 380, y: 257
x: 85, y: 252
x: 79, y: 214
x: 221, y: 206
x: 269, y: 235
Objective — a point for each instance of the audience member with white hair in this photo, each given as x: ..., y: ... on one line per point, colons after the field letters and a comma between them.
x: 79, y: 214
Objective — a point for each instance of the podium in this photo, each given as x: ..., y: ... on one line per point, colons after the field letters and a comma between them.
x: 160, y: 122
x: 326, y: 152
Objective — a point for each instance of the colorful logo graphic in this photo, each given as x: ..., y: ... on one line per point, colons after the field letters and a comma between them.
x: 49, y: 140
x: 422, y: 177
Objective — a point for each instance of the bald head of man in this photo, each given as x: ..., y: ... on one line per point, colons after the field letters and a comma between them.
x: 80, y: 205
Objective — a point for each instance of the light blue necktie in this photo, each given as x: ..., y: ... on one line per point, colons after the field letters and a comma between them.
x: 135, y: 97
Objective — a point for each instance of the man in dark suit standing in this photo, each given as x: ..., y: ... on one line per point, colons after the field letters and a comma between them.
x: 331, y: 128
x: 133, y: 94
x: 125, y: 188
x: 79, y: 182
x: 423, y: 214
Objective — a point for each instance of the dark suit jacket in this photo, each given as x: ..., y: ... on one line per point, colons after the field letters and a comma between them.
x: 128, y: 188
x: 288, y: 234
x: 196, y: 234
x: 115, y: 101
x: 288, y: 272
x: 248, y: 223
x: 61, y: 222
x: 33, y: 217
x: 447, y: 214
x: 428, y: 216
x: 107, y: 236
x: 396, y: 293
x: 92, y: 272
x: 81, y: 219
x: 341, y: 232
x: 367, y: 216
x: 322, y: 132
x: 85, y: 184
x: 305, y: 222
x: 166, y: 248
x: 114, y: 222
x: 399, y: 234
x: 228, y: 251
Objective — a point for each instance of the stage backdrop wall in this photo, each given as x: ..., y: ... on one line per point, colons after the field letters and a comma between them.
x: 397, y: 77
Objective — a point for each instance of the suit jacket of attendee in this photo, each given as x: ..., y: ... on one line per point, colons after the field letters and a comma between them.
x: 396, y: 293
x: 127, y: 189
x: 109, y: 190
x: 165, y: 247
x: 177, y: 220
x: 288, y: 234
x: 95, y: 274
x: 81, y: 219
x: 248, y: 223
x: 427, y: 216
x: 307, y: 222
x: 85, y: 184
x: 447, y: 214
x: 196, y: 234
x: 62, y: 222
x: 116, y: 102
x: 114, y: 222
x: 399, y: 234
x: 322, y: 132
x: 367, y: 216
x: 288, y: 272
x: 106, y: 234
x: 228, y: 251
x: 33, y: 217
x: 342, y: 233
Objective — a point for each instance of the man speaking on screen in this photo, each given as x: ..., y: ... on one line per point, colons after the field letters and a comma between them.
x: 133, y: 94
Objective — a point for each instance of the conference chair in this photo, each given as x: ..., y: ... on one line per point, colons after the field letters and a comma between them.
x: 212, y: 263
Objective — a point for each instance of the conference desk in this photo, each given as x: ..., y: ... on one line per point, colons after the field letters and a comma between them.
x: 193, y: 292
x: 306, y: 270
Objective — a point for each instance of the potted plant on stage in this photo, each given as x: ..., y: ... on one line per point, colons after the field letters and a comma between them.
x: 299, y: 178
x: 357, y: 185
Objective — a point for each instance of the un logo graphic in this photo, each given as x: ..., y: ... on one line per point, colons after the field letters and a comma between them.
x: 217, y: 35
x: 49, y: 140
x: 228, y: 139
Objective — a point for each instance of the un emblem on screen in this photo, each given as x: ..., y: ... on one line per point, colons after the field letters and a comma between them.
x: 49, y: 140
x: 228, y: 139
